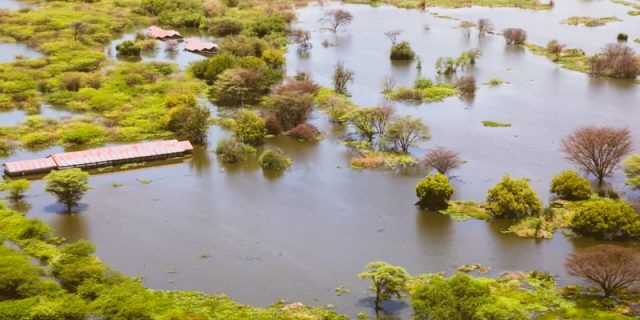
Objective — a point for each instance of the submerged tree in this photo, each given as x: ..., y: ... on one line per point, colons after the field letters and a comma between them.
x: 597, y: 150
x: 336, y: 19
x: 341, y: 77
x: 555, y: 47
x: 484, y: 26
x: 392, y: 35
x: 632, y: 170
x: 443, y: 160
x: 387, y: 281
x: 186, y: 119
x: 613, y: 268
x: 405, y: 132
x: 15, y: 188
x: 515, y: 36
x: 68, y: 186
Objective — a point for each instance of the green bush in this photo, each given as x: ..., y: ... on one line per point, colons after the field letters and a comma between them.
x: 434, y: 192
x: 423, y: 83
x: 622, y: 37
x: 232, y: 151
x: 274, y: 160
x: 82, y: 133
x: 250, y: 127
x: 267, y: 25
x: 513, y: 198
x: 632, y: 170
x: 15, y: 188
x: 402, y: 51
x: 129, y: 49
x: 606, y: 219
x: 223, y: 27
x: 570, y: 185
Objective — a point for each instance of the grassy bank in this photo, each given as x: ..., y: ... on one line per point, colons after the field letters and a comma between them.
x: 421, y: 4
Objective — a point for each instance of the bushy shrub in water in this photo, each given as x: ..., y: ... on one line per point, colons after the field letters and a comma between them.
x: 623, y: 37
x: 249, y: 128
x: 606, y: 219
x: 571, y: 186
x: 223, y: 27
x: 433, y: 192
x: 402, y: 51
x: 305, y: 131
x: 129, y: 48
x: 274, y: 160
x: 513, y: 198
x: 82, y: 133
x: 423, y: 83
x: 232, y: 151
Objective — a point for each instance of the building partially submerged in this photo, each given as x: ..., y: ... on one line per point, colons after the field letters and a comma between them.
x: 161, y: 34
x: 197, y: 46
x: 101, y: 157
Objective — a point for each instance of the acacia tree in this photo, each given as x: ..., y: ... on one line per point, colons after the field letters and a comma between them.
x: 341, y: 77
x: 612, y: 268
x: 392, y: 35
x: 336, y: 19
x: 484, y: 26
x: 443, y: 160
x: 68, y: 186
x: 405, y: 132
x: 598, y: 150
x: 387, y: 281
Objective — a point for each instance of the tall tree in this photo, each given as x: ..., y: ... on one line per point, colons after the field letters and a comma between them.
x: 598, y: 150
x: 405, y: 132
x: 443, y: 160
x: 336, y: 19
x: 387, y: 281
x: 341, y: 77
x: 69, y: 186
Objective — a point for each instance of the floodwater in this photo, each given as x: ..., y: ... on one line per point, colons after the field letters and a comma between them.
x: 15, y: 116
x: 11, y: 4
x: 10, y: 52
x: 202, y: 225
x: 179, y: 56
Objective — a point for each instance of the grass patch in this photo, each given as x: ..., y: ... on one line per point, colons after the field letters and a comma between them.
x: 634, y: 13
x: 434, y: 93
x: 493, y: 124
x: 494, y: 82
x: 464, y: 210
x: 589, y: 21
x: 382, y: 159
x: 419, y: 4
x: 572, y: 59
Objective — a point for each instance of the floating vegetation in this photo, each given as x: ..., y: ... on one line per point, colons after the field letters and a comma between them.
x: 382, y: 159
x: 421, y: 4
x: 342, y: 290
x: 428, y: 94
x: 117, y: 185
x: 493, y: 124
x: 494, y: 82
x: 466, y: 268
x: 144, y: 181
x: 464, y: 210
x: 589, y: 21
x: 572, y: 59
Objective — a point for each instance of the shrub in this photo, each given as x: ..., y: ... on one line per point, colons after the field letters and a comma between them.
x: 305, y: 131
x: 264, y: 26
x: 6, y: 148
x: 82, y: 133
x: 250, y: 127
x: 515, y: 36
x: 632, y: 170
x: 291, y: 107
x: 242, y: 46
x: 423, y: 83
x: 186, y: 119
x: 466, y: 85
x: 402, y: 51
x: 606, y: 219
x: 434, y: 192
x: 129, y: 49
x: 223, y: 27
x: 232, y: 151
x: 272, y: 124
x: 622, y: 37
x: 15, y: 188
x: 571, y: 186
x: 239, y: 87
x: 68, y: 186
x: 512, y: 198
x: 274, y: 160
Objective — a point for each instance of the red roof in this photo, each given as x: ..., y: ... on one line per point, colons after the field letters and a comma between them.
x: 43, y: 164
x: 159, y: 33
x: 197, y: 45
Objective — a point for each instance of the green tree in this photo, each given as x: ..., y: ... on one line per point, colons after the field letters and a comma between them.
x: 405, y: 132
x: 632, y: 170
x: 249, y: 128
x: 571, y: 186
x: 232, y: 151
x: 402, y: 51
x: 434, y: 192
x: 274, y: 160
x: 513, y: 198
x: 239, y: 87
x: 76, y: 265
x: 186, y: 119
x: 15, y: 188
x: 68, y: 185
x: 129, y: 49
x: 387, y: 281
x: 606, y: 219
x: 211, y: 68
x: 291, y: 107
x: 362, y: 120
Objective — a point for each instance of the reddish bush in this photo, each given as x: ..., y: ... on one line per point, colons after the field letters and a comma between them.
x: 515, y: 36
x: 272, y: 124
x: 305, y: 131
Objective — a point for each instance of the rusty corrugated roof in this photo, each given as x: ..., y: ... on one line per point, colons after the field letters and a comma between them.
x: 41, y: 164
x: 197, y: 45
x: 159, y: 33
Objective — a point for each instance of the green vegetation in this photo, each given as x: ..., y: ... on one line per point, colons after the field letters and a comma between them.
x: 402, y: 51
x: 434, y: 192
x: 606, y: 219
x: 493, y: 124
x: 572, y: 59
x: 570, y: 185
x: 463, y: 210
x: 368, y: 159
x: 68, y: 186
x: 512, y: 198
x: 249, y: 127
x: 589, y: 21
x: 232, y: 151
x: 274, y: 160
x: 632, y: 170
x: 423, y: 91
x: 387, y: 281
x: 15, y: 188
x: 421, y: 4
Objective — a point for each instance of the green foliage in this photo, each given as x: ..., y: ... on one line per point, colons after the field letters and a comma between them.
x: 18, y: 277
x: 82, y: 133
x: 502, y: 308
x: 402, y: 51
x: 423, y: 83
x: 249, y: 128
x: 186, y: 13
x: 405, y: 132
x: 632, y: 170
x: 67, y: 185
x: 225, y: 26
x: 243, y: 46
x: 387, y: 281
x: 232, y: 151
x: 239, y: 87
x: 274, y: 160
x: 264, y: 26
x: 424, y: 90
x: 76, y: 264
x: 15, y: 188
x: 570, y: 185
x: 434, y: 192
x: 513, y: 198
x: 186, y: 119
x: 129, y: 49
x: 606, y: 219
x: 493, y: 124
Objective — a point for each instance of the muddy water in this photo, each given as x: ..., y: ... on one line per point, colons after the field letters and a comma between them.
x: 201, y: 225
x: 14, y: 117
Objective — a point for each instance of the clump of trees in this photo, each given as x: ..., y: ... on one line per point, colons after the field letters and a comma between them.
x: 402, y: 51
x: 632, y: 170
x: 387, y: 281
x: 443, y: 160
x: 274, y: 160
x: 513, y: 198
x: 570, y: 185
x: 616, y: 60
x: 597, y: 150
x: 69, y: 186
x: 514, y: 36
x: 186, y: 119
x: 612, y: 268
x: 555, y: 47
x: 450, y: 65
x: 336, y: 19
x: 606, y: 219
x: 434, y: 192
x: 341, y: 78
x: 404, y: 132
x: 249, y: 127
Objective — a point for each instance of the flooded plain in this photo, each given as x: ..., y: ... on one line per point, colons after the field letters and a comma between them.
x: 201, y: 225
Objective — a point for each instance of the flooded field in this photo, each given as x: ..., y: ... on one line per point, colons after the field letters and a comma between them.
x: 10, y: 52
x: 201, y: 225
x: 14, y: 117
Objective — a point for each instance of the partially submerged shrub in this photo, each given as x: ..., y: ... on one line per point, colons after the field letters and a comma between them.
x: 466, y: 85
x: 571, y: 186
x: 305, y: 131
x: 433, y: 192
x: 513, y: 198
x: 632, y: 170
x: 606, y: 219
x: 622, y: 37
x: 249, y: 128
x: 274, y: 160
x: 232, y: 151
x: 129, y: 49
x: 82, y: 133
x: 515, y: 36
x: 443, y: 160
x: 402, y: 51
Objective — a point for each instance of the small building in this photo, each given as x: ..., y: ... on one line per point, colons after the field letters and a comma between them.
x: 159, y: 33
x: 27, y: 167
x: 197, y: 46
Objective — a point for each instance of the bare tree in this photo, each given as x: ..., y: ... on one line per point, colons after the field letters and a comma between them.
x: 556, y: 48
x: 598, y: 150
x: 621, y: 60
x: 78, y: 28
x: 466, y: 85
x: 484, y: 26
x: 380, y: 117
x: 598, y: 65
x: 388, y: 83
x: 336, y: 19
x: 341, y: 77
x: 302, y: 37
x: 613, y: 268
x: 515, y: 36
x: 393, y: 36
x: 443, y: 160
x: 465, y: 28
